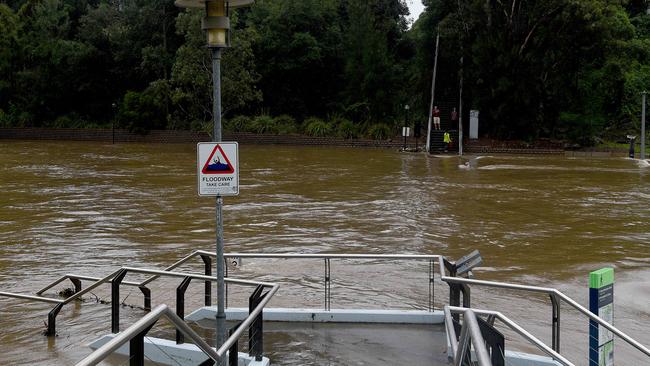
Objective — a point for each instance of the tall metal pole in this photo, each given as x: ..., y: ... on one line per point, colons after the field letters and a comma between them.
x: 216, y: 137
x: 460, y: 111
x: 645, y: 93
x: 433, y: 91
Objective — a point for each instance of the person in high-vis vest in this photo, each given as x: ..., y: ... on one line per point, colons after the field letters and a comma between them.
x: 446, y: 138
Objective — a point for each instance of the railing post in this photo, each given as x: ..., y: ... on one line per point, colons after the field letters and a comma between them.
x: 233, y: 352
x: 115, y: 300
x: 328, y: 285
x: 432, y: 289
x: 136, y: 348
x: 464, y: 288
x: 51, y: 320
x: 494, y: 341
x: 208, y: 285
x: 454, y: 288
x: 77, y: 284
x: 555, y: 327
x: 255, y: 330
x: 180, y: 306
x: 147, y: 297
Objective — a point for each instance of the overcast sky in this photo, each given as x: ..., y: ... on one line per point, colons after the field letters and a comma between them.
x: 416, y: 8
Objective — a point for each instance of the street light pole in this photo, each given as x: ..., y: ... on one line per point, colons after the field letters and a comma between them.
x: 217, y: 24
x: 216, y: 137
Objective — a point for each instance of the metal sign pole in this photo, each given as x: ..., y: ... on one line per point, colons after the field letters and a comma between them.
x: 216, y: 111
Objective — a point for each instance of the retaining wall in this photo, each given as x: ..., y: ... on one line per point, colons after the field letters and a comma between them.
x: 169, y: 136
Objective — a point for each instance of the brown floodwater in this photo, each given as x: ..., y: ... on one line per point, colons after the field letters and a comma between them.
x: 88, y: 208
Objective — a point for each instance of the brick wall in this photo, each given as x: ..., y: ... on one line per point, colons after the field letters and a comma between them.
x: 168, y: 136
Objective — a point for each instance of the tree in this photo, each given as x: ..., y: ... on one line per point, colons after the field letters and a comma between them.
x: 191, y: 81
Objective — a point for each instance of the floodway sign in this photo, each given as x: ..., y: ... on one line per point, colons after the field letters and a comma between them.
x: 218, y: 168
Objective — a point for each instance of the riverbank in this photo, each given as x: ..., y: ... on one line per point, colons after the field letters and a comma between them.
x: 481, y: 146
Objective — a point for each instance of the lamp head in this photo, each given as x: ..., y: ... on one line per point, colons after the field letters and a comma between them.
x: 216, y: 21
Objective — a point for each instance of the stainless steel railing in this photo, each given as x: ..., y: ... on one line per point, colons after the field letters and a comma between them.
x: 460, y: 348
x: 555, y: 295
x: 470, y: 332
x: 207, y: 258
x: 143, y: 325
x: 432, y: 260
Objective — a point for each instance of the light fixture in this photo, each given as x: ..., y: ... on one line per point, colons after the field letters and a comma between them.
x: 216, y: 22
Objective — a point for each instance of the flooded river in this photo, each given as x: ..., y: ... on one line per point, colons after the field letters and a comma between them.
x: 88, y: 208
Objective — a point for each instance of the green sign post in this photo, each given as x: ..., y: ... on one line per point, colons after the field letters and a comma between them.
x: 601, y: 303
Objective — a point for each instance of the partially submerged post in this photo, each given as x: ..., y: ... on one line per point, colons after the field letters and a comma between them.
x: 217, y: 24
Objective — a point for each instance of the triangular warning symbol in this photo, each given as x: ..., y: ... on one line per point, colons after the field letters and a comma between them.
x: 218, y: 163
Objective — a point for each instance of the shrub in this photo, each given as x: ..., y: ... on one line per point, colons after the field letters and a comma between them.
x: 4, y: 119
x: 263, y: 125
x: 286, y: 124
x: 347, y: 130
x: 317, y: 127
x: 239, y: 124
x: 379, y: 131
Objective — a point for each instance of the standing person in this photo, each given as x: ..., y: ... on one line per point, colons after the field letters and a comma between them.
x: 436, y: 117
x: 454, y: 118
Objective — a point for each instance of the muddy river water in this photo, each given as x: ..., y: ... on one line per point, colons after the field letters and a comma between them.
x: 88, y: 208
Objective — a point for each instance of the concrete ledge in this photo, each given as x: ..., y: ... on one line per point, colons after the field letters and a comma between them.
x: 526, y: 359
x: 332, y: 316
x: 167, y: 352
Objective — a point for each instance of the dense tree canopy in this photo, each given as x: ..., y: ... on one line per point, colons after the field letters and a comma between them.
x: 555, y: 68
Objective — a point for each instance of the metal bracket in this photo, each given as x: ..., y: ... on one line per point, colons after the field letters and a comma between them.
x: 180, y: 305
x: 115, y: 300
x: 51, y: 320
x: 555, y: 327
x: 147, y: 297
x: 256, y: 329
x: 207, y: 261
x: 136, y: 348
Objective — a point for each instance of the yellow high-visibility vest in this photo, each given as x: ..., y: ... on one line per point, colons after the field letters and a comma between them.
x: 446, y: 138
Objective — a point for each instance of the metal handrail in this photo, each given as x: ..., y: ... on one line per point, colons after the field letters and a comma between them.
x: 451, y: 332
x: 432, y: 258
x: 162, y: 310
x: 141, y: 325
x: 470, y: 331
x: 546, y: 290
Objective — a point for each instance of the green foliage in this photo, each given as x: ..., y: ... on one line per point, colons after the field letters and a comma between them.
x: 558, y: 68
x: 263, y: 125
x: 580, y: 129
x: 317, y: 127
x: 286, y: 124
x: 347, y: 130
x: 380, y: 131
x: 238, y: 124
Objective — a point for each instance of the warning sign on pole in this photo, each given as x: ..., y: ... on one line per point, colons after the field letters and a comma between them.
x: 218, y: 168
